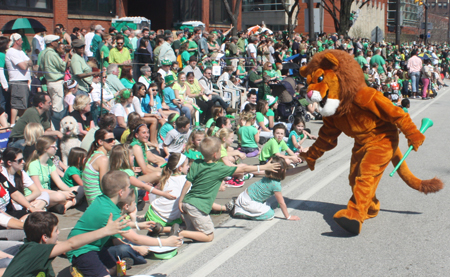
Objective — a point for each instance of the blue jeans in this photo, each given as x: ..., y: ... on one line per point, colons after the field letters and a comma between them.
x: 124, y: 250
x: 415, y: 77
x: 216, y: 98
x: 17, y: 144
x: 56, y: 118
x: 184, y: 111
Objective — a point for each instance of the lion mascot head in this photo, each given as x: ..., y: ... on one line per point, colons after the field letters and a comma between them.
x: 333, y: 77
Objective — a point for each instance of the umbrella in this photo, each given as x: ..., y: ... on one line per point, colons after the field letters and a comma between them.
x: 253, y: 30
x: 425, y: 56
x: 29, y: 25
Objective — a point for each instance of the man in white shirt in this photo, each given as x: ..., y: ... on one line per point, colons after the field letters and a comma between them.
x: 165, y: 68
x: 38, y: 44
x: 88, y: 40
x: 251, y: 49
x: 18, y: 63
x: 193, y: 67
x: 251, y: 98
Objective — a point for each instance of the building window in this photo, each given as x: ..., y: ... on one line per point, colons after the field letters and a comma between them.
x: 26, y: 5
x: 445, y: 5
x: 261, y: 5
x: 95, y: 7
x: 433, y: 5
x: 187, y: 10
x: 440, y: 5
x: 218, y: 13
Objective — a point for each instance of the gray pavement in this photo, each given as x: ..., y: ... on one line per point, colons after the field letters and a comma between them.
x: 408, y: 237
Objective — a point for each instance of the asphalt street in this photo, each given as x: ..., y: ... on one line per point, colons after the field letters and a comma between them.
x: 409, y: 237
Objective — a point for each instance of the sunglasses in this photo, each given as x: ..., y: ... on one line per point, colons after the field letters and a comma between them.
x: 119, y: 43
x: 110, y: 140
x: 19, y: 161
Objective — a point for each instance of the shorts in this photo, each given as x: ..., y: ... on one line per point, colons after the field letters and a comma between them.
x: 94, y: 263
x: 197, y: 220
x: 151, y: 215
x: 19, y: 94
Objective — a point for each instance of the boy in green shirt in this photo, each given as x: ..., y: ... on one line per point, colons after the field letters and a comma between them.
x: 94, y: 259
x: 41, y: 246
x: 275, y: 145
x: 204, y: 180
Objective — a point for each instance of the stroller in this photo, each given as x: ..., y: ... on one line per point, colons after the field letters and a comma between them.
x: 289, y: 107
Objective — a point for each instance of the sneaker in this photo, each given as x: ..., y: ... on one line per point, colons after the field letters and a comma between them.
x: 252, y: 154
x: 129, y: 262
x: 175, y: 230
x: 230, y: 110
x: 248, y: 176
x: 155, y: 230
x: 230, y: 205
x: 228, y: 178
x: 234, y: 183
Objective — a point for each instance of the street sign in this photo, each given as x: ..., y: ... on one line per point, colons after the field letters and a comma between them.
x: 430, y: 26
x: 377, y: 35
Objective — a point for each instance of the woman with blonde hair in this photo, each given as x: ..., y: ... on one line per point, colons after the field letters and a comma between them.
x: 42, y: 171
x: 31, y: 133
x: 82, y: 114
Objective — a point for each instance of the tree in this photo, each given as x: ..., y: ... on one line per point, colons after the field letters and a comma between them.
x: 290, y: 12
x: 341, y: 15
x: 234, y: 15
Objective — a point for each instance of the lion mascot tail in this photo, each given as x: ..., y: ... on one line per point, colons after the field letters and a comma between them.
x: 425, y: 186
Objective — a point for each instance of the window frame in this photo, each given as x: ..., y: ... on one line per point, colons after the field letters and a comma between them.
x: 82, y: 11
x: 49, y: 8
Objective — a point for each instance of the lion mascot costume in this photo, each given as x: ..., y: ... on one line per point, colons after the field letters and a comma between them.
x: 336, y: 82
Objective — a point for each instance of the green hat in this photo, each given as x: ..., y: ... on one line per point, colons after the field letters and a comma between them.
x: 166, y: 255
x: 166, y: 62
x: 271, y: 100
x: 183, y: 40
x: 169, y: 79
x: 124, y: 28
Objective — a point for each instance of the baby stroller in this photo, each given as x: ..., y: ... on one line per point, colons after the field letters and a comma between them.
x: 289, y: 107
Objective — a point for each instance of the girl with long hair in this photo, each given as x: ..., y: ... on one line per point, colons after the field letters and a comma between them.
x: 42, y: 171
x: 97, y: 163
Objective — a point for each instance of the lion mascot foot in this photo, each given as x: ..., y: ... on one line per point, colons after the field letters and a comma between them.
x: 348, y: 220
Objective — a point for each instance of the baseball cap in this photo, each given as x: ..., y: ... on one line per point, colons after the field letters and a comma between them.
x: 99, y: 27
x: 50, y: 38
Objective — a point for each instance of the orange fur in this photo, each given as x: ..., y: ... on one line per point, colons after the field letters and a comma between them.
x: 370, y: 118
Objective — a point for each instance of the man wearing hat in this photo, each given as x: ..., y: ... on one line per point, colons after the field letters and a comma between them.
x: 193, y: 67
x: 177, y: 43
x: 82, y: 72
x: 166, y: 52
x: 170, y: 99
x: 126, y: 31
x: 96, y: 40
x: 18, y: 63
x: 165, y: 68
x: 54, y: 67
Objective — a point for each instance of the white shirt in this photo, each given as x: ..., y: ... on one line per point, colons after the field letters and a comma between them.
x: 144, y: 81
x: 39, y: 44
x: 27, y: 182
x: 251, y: 49
x: 87, y: 48
x: 163, y: 73
x: 95, y: 93
x: 137, y: 106
x: 119, y: 110
x: 12, y: 59
x: 168, y: 209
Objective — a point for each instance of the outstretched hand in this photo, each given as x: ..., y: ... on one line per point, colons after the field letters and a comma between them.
x: 116, y: 226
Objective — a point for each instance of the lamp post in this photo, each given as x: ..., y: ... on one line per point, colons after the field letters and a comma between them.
x: 398, y: 22
x: 425, y: 36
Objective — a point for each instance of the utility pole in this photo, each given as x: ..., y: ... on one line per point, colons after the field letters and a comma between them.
x: 312, y: 35
x: 448, y: 31
x: 398, y: 16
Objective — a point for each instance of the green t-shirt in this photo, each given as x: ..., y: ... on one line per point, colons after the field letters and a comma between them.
x: 223, y: 153
x: 30, y: 115
x: 193, y: 44
x: 193, y: 155
x: 2, y: 65
x: 167, y: 127
x: 380, y: 61
x: 95, y: 217
x: 297, y: 138
x: 67, y: 178
x: 206, y: 179
x: 271, y: 148
x: 247, y: 135
x: 79, y: 66
x: 263, y: 189
x: 127, y: 83
x: 270, y: 112
x: 105, y: 51
x: 32, y: 260
x: 43, y: 171
x: 130, y: 173
x: 405, y: 110
x: 210, y: 122
x: 261, y: 118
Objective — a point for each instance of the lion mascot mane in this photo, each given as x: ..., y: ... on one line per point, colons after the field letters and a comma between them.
x: 336, y: 82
